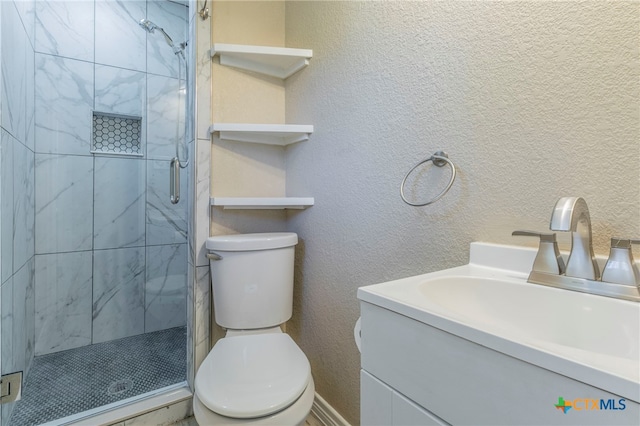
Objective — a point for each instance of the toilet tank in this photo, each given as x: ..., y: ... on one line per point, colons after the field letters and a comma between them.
x: 252, y: 283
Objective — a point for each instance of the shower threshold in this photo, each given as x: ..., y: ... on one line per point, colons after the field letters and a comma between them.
x: 79, y: 380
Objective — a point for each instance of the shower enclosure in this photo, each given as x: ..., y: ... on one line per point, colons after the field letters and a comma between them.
x: 93, y: 252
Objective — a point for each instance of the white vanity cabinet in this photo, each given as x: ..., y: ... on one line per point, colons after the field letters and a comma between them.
x: 415, y: 374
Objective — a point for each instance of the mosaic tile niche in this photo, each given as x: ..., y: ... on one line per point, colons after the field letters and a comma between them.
x: 116, y: 134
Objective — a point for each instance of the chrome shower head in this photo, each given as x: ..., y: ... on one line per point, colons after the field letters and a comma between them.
x: 147, y: 25
x: 150, y: 27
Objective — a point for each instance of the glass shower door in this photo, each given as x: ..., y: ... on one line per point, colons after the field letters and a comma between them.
x: 93, y: 253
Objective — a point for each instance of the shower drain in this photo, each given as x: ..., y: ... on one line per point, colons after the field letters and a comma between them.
x: 120, y: 386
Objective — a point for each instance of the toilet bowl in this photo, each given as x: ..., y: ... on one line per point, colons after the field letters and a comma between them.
x: 254, y: 379
x: 256, y: 374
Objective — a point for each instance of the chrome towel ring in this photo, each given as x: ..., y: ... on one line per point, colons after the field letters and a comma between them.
x: 439, y: 158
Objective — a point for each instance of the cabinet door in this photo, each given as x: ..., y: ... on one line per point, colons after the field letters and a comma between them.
x: 408, y: 413
x: 380, y: 405
x: 376, y: 401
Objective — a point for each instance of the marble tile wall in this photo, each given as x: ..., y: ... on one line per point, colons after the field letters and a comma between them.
x: 64, y: 203
x: 111, y: 256
x: 119, y: 202
x: 17, y: 190
x: 64, y: 34
x: 120, y: 91
x: 119, y: 40
x: 199, y: 294
x: 63, y: 283
x: 64, y: 99
x: 118, y: 293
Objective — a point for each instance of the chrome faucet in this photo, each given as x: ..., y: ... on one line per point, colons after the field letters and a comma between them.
x: 621, y: 277
x: 572, y: 214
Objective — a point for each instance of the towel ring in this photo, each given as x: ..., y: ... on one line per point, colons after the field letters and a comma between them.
x: 439, y: 158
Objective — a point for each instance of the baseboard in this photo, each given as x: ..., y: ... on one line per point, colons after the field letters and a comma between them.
x: 325, y: 414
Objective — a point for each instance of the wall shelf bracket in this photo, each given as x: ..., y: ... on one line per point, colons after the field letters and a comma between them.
x: 281, y: 62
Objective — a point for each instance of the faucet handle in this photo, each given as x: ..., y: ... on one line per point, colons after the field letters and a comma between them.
x: 548, y: 259
x: 621, y: 267
x: 549, y: 237
x: 618, y: 242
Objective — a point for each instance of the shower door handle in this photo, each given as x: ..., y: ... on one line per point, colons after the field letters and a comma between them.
x: 174, y: 181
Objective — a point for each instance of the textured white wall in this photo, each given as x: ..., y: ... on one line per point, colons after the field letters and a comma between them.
x: 532, y: 101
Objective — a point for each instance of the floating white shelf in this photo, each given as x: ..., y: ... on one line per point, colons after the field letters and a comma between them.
x: 270, y: 134
x: 262, y: 203
x: 280, y: 62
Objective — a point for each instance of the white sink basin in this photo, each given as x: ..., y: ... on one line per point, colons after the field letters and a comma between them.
x: 590, y: 323
x: 593, y: 339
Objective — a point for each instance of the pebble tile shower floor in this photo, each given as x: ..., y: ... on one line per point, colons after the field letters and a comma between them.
x: 69, y: 382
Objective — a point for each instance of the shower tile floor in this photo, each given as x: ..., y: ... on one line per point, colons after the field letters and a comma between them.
x: 76, y: 380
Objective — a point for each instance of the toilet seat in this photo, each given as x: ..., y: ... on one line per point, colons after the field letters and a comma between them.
x: 295, y: 414
x: 252, y: 375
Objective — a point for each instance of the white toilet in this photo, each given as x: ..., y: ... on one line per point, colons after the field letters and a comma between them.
x: 256, y: 374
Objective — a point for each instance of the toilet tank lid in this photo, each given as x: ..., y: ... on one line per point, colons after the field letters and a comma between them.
x: 247, y: 242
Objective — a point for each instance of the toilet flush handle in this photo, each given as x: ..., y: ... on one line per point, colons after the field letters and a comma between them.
x: 213, y: 256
